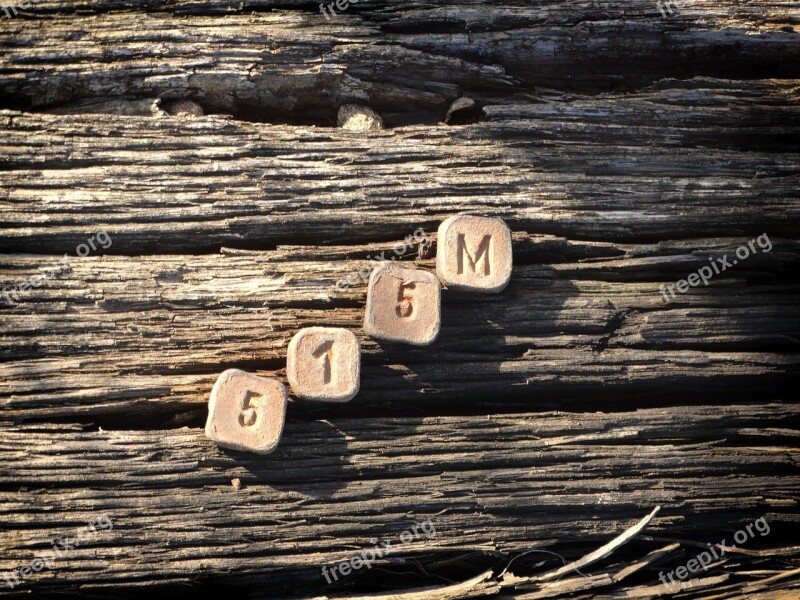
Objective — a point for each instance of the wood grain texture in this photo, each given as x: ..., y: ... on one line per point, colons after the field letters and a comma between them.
x: 624, y: 148
x: 385, y: 474
x: 156, y: 331
x: 666, y: 164
x: 284, y: 59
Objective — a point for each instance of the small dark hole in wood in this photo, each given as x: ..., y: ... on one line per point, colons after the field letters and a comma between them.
x: 463, y: 112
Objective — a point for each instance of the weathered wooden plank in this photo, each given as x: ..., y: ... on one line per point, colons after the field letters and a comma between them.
x: 162, y: 328
x: 604, y: 169
x: 256, y: 60
x: 177, y: 516
x: 629, y: 187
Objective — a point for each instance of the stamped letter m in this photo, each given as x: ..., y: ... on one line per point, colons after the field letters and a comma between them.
x: 482, y: 252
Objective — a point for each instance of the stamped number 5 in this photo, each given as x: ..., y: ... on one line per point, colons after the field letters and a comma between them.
x: 249, y: 414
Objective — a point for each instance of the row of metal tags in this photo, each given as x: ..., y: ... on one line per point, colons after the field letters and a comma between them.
x: 323, y: 364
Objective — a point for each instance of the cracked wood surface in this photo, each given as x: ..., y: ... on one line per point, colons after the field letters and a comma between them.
x: 667, y: 163
x: 155, y: 331
x: 557, y: 470
x: 624, y: 149
x: 284, y: 59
